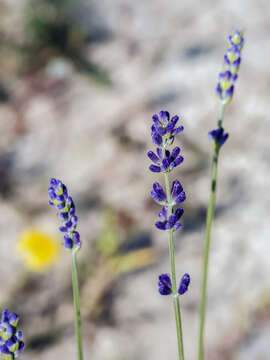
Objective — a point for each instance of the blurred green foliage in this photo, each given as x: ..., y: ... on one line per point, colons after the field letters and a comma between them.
x: 56, y: 28
x: 49, y: 25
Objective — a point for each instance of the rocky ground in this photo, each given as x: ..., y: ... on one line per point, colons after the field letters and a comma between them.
x: 59, y: 122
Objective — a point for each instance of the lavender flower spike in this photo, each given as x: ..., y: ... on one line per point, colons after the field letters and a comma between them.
x: 11, y: 343
x: 163, y: 132
x: 232, y: 61
x: 59, y: 198
x: 184, y: 284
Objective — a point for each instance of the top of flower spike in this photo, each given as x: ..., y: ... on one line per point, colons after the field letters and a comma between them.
x: 232, y: 61
x: 11, y: 343
x: 164, y: 128
x: 60, y: 199
x: 236, y: 39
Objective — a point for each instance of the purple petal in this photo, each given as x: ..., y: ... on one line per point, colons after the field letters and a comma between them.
x: 223, y: 139
x: 229, y: 92
x: 164, y: 290
x: 178, y: 130
x: 175, y: 119
x: 175, y: 152
x: 158, y: 193
x: 163, y: 213
x: 159, y: 152
x: 179, y: 212
x: 53, y: 182
x: 160, y: 225
x: 180, y: 198
x: 165, y: 164
x: 63, y: 229
x: 19, y: 335
x: 171, y: 221
x: 182, y: 289
x: 164, y: 116
x: 154, y: 168
x: 156, y: 138
x: 4, y: 350
x: 186, y: 279
x: 184, y: 283
x: 68, y: 243
x: 170, y: 127
x: 165, y: 279
x: 153, y: 157
x: 176, y: 188
x: 156, y: 119
x: 177, y: 225
x: 219, y: 91
x: 161, y: 130
x: 178, y: 160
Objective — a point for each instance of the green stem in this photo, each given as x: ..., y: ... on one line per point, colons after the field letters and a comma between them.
x: 176, y: 304
x: 76, y: 299
x: 209, y: 220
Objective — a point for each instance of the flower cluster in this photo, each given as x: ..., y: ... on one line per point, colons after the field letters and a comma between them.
x: 11, y: 343
x: 165, y: 284
x: 60, y: 199
x: 163, y: 132
x: 164, y: 128
x: 218, y: 137
x: 232, y: 60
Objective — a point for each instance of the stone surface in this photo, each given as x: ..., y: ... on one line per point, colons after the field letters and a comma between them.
x: 94, y: 137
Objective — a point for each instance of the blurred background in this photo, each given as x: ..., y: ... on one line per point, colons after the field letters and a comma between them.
x: 79, y: 82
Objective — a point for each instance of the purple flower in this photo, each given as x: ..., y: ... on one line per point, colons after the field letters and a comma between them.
x: 11, y: 343
x: 218, y: 137
x: 165, y: 162
x: 184, y: 283
x: 177, y: 193
x: 236, y: 39
x: 164, y: 128
x: 225, y: 86
x: 232, y: 61
x: 169, y: 222
x: 164, y: 284
x: 158, y: 194
x: 59, y: 198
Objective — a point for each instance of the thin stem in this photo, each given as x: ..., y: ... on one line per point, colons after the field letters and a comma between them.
x: 176, y: 304
x: 209, y: 220
x: 76, y: 299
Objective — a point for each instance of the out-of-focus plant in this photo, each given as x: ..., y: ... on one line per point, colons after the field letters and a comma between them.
x: 224, y: 91
x: 38, y: 249
x: 51, y: 29
x: 110, y: 262
x: 60, y: 199
x: 56, y: 29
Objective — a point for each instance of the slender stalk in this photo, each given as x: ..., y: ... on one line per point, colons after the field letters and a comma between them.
x: 176, y: 304
x: 209, y: 220
x: 76, y: 299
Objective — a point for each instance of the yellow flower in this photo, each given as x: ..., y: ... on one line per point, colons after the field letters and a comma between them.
x: 38, y: 249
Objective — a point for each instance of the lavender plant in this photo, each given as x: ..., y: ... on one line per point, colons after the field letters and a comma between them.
x: 60, y: 199
x: 163, y: 132
x: 224, y: 90
x: 11, y: 344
